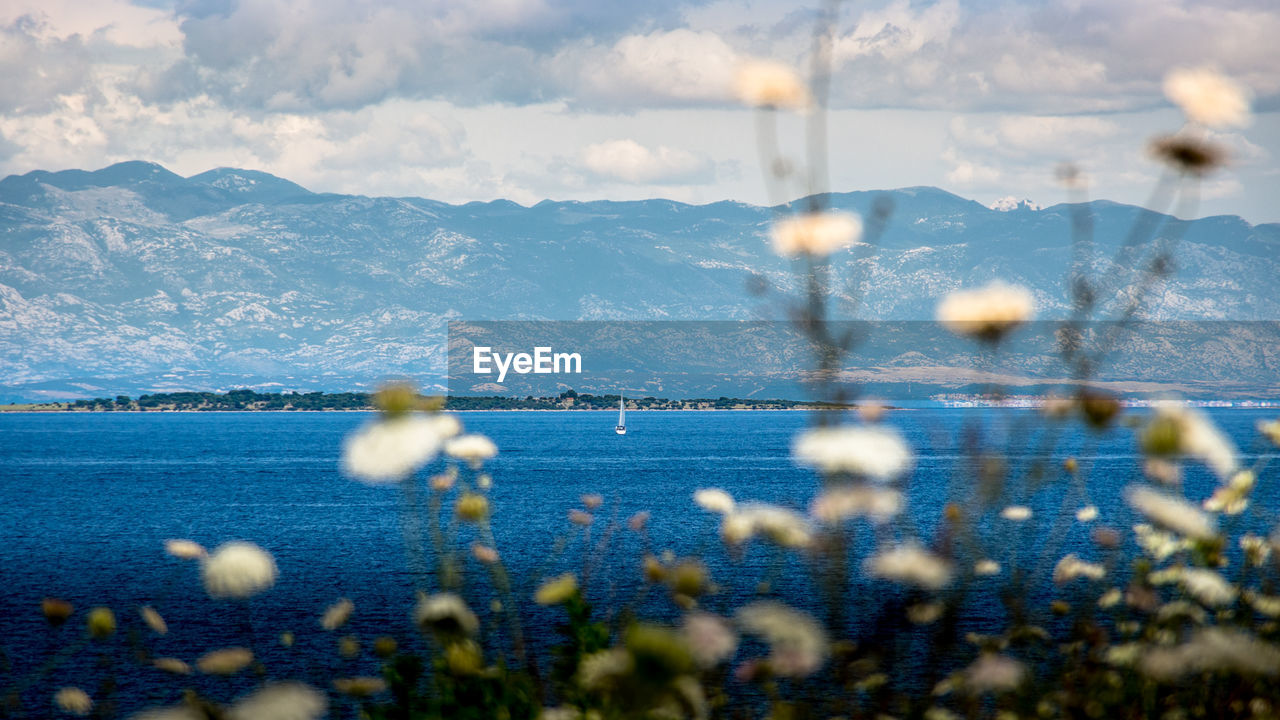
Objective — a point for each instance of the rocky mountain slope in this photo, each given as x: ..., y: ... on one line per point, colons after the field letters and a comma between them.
x: 132, y: 278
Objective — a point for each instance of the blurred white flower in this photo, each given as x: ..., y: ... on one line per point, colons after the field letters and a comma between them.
x: 1071, y: 567
x: 446, y: 614
x: 281, y: 701
x: 785, y: 527
x: 389, y: 450
x: 1270, y: 429
x: 238, y: 570
x: 1208, y: 97
x: 986, y: 567
x: 1213, y: 649
x: 600, y: 668
x: 874, y: 452
x: 474, y: 448
x: 714, y: 500
x: 153, y: 620
x: 796, y: 641
x: 172, y: 665
x: 910, y: 564
x: 877, y: 503
x: 988, y: 312
x: 73, y: 700
x: 1268, y: 605
x: 1256, y: 549
x: 445, y: 425
x: 709, y: 637
x: 736, y: 529
x: 1016, y: 513
x: 1208, y: 587
x: 337, y: 614
x: 1088, y: 513
x: 818, y: 234
x: 994, y: 673
x: 1232, y: 498
x: 227, y: 661
x: 1110, y: 598
x: 767, y: 83
x: 1157, y: 543
x: 1172, y: 513
x: 1198, y: 437
x: 185, y: 549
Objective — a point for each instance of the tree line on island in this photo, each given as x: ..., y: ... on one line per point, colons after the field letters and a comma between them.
x: 250, y: 400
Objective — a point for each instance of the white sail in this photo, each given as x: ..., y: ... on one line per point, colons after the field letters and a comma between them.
x: 621, y: 429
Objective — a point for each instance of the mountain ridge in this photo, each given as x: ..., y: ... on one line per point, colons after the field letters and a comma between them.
x: 132, y: 271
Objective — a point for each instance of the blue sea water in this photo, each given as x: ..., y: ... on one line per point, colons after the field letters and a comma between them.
x: 88, y: 499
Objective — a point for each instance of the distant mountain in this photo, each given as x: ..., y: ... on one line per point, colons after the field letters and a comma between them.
x: 132, y: 277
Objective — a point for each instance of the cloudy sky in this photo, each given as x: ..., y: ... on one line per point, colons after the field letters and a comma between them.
x: 463, y: 100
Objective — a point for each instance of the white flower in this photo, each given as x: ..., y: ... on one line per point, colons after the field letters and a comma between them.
x: 1271, y: 429
x: 780, y: 525
x: 238, y: 570
x: 992, y: 672
x: 987, y: 312
x: 877, y: 453
x: 1232, y: 498
x: 878, y: 503
x: 709, y: 637
x: 1158, y: 544
x: 226, y: 661
x: 910, y: 564
x: 445, y: 425
x: 281, y: 701
x: 1016, y: 513
x: 1171, y: 512
x: 600, y: 668
x: 1071, y: 567
x: 1208, y: 97
x: 1213, y: 649
x: 986, y: 567
x: 1256, y: 549
x: 1208, y: 587
x: 153, y: 620
x: 473, y: 448
x: 1200, y: 438
x: 389, y: 450
x: 797, y: 643
x: 1088, y: 513
x: 817, y: 234
x: 73, y: 700
x: 714, y: 500
x: 337, y: 614
x: 185, y: 549
x: 445, y: 613
x: 766, y: 83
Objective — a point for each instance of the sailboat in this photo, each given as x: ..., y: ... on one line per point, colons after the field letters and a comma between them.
x: 621, y: 429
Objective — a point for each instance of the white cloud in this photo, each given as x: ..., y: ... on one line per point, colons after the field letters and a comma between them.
x: 897, y: 31
x: 680, y: 66
x: 629, y: 161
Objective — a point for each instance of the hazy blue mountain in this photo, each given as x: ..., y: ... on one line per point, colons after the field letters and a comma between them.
x: 132, y: 277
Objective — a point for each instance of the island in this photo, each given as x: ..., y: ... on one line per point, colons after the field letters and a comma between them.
x: 250, y: 400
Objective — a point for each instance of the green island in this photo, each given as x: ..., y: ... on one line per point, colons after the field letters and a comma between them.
x: 250, y: 400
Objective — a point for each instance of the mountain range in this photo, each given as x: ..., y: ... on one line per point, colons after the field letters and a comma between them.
x: 132, y: 278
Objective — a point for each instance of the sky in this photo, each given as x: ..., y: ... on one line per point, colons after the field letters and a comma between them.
x: 460, y: 100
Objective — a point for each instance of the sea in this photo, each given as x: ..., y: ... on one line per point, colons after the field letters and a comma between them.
x: 87, y: 501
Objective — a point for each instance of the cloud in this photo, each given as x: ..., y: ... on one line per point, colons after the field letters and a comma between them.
x: 659, y: 68
x: 631, y: 162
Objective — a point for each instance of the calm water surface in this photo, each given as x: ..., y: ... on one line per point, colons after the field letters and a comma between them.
x: 87, y: 500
